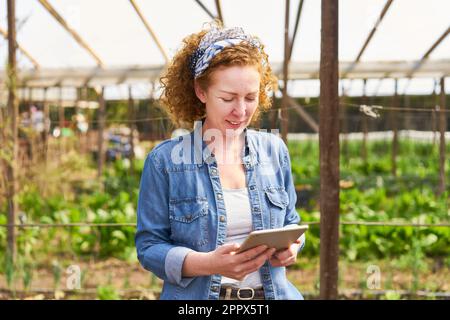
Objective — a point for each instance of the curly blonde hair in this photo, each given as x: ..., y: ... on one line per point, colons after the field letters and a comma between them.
x: 177, y: 82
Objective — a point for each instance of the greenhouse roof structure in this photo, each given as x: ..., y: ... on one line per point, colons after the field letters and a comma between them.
x: 73, y: 43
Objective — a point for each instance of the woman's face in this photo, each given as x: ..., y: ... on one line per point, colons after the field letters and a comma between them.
x: 231, y: 98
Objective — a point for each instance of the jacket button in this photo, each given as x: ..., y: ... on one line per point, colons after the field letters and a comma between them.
x: 214, y: 171
x: 219, y: 196
x: 188, y: 217
x: 222, y: 219
x: 252, y: 187
x: 215, y: 288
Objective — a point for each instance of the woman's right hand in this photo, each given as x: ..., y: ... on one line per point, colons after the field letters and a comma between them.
x: 227, y: 262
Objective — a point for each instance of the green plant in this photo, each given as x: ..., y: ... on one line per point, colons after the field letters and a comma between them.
x: 392, y: 295
x: 57, y: 270
x: 27, y: 269
x: 370, y: 193
x: 10, y: 272
x: 107, y: 292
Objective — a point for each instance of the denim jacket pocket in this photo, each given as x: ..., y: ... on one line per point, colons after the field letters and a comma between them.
x: 188, y: 221
x: 278, y: 201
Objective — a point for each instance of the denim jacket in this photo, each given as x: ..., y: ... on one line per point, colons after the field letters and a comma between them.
x: 181, y: 208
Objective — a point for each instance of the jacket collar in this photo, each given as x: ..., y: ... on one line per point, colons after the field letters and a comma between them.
x: 201, y: 148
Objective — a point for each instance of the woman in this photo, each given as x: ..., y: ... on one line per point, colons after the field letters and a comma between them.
x: 202, y: 193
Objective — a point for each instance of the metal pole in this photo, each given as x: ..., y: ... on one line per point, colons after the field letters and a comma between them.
x: 150, y: 30
x: 434, y: 101
x: 61, y: 110
x: 22, y: 49
x: 303, y: 114
x: 205, y: 9
x: 72, y: 32
x: 428, y: 53
x: 369, y: 37
x: 131, y: 118
x: 297, y: 22
x: 11, y: 174
x: 394, y: 130
x: 85, y: 99
x: 62, y: 120
x: 407, y: 118
x: 43, y: 140
x: 344, y: 120
x: 219, y: 11
x: 75, y: 117
x: 329, y: 151
x: 442, y: 129
x: 100, y: 129
x: 284, y: 103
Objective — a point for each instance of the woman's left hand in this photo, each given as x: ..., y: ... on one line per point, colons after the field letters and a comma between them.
x: 286, y: 257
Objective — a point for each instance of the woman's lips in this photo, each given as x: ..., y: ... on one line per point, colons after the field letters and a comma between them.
x: 234, y: 124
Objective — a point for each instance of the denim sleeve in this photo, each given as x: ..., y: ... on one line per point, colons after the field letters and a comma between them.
x: 292, y: 216
x: 155, y: 251
x: 174, y: 264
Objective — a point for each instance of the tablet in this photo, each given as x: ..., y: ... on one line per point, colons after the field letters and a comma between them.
x: 280, y: 238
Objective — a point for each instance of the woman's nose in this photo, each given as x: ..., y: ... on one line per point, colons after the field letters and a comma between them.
x: 240, y: 108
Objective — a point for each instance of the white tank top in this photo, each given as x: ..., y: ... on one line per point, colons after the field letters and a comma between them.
x: 239, y: 225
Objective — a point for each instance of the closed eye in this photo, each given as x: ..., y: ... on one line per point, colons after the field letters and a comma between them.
x: 226, y: 100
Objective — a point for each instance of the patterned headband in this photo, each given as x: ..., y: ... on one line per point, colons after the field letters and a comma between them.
x: 214, y: 42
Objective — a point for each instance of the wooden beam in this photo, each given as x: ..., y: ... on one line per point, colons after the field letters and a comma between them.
x: 297, y: 71
x: 205, y: 9
x: 344, y: 121
x: 132, y: 126
x: 370, y: 36
x: 304, y: 115
x: 12, y: 134
x: 284, y: 102
x: 22, y: 49
x: 442, y: 129
x: 46, y: 111
x: 429, y: 51
x: 394, y: 125
x: 61, y: 115
x: 329, y: 151
x: 150, y: 30
x: 297, y: 22
x: 219, y: 11
x: 69, y: 29
x: 435, y: 103
x: 100, y: 129
x: 368, y: 69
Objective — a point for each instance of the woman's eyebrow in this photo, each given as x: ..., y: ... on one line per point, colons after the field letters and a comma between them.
x: 234, y: 93
x: 224, y: 91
